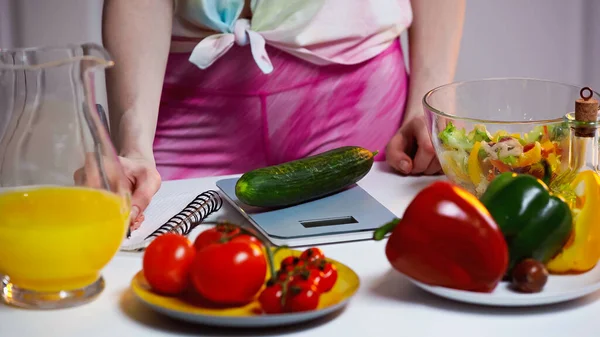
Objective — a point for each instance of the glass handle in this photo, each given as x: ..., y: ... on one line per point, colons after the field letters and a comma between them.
x: 103, y: 117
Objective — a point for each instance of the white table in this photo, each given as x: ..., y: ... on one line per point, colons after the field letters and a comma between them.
x: 386, y: 304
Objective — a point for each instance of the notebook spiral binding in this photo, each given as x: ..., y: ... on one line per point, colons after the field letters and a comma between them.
x: 185, y: 221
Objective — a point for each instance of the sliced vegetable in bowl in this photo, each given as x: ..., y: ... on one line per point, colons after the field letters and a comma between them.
x: 472, y: 160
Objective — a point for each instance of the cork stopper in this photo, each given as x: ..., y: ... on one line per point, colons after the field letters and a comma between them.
x: 586, y: 110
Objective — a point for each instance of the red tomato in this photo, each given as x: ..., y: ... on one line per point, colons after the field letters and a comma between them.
x: 166, y: 263
x: 306, y: 279
x: 312, y: 254
x: 299, y: 266
x: 248, y: 238
x: 214, y: 235
x: 283, y: 275
x: 229, y: 273
x: 270, y: 299
x: 288, y: 262
x: 222, y: 232
x: 329, y: 276
x: 302, y: 299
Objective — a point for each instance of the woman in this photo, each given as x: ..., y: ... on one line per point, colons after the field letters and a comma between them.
x: 212, y: 87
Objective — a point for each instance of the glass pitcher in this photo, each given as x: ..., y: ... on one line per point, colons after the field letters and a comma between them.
x: 64, y: 201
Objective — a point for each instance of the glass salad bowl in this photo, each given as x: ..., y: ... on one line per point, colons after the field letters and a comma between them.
x: 482, y: 128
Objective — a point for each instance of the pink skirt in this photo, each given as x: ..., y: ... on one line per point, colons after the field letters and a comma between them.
x: 232, y: 118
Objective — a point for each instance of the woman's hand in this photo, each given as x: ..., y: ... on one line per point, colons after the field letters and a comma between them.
x: 143, y: 181
x: 434, y: 42
x: 410, y: 151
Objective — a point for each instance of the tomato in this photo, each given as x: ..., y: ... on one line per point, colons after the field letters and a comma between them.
x: 312, y: 254
x: 283, y: 275
x: 229, y: 273
x: 222, y: 232
x: 214, y: 235
x: 248, y: 238
x: 271, y: 298
x: 296, y: 267
x: 302, y: 299
x: 329, y: 276
x: 166, y: 263
x: 289, y: 262
x: 306, y: 279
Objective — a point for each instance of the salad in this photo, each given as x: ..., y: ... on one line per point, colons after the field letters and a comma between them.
x: 474, y: 159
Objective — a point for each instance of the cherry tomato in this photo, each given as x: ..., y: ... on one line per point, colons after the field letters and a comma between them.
x: 215, y: 234
x: 288, y: 262
x: 329, y: 276
x: 306, y: 279
x: 229, y: 273
x: 300, y: 265
x: 283, y: 275
x: 312, y: 254
x: 167, y: 262
x: 270, y: 299
x: 302, y: 299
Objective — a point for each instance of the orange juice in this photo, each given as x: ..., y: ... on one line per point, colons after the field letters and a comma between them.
x: 59, y: 238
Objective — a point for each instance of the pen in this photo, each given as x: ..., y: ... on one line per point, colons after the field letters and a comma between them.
x: 104, y: 120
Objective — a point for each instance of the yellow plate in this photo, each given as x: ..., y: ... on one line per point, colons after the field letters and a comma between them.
x: 248, y: 316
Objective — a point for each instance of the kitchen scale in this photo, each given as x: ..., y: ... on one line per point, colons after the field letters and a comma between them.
x: 350, y: 215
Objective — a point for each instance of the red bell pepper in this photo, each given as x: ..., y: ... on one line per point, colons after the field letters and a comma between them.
x: 447, y: 238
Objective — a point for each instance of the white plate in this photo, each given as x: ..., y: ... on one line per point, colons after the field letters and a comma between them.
x: 559, y: 288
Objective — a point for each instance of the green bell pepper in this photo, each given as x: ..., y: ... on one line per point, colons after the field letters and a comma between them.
x: 535, y: 223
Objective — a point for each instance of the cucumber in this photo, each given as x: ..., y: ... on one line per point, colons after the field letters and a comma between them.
x: 304, y: 179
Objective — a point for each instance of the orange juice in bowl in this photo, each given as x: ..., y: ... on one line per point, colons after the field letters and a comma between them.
x: 64, y: 200
x: 55, y: 238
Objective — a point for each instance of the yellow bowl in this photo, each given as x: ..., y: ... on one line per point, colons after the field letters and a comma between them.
x: 249, y: 315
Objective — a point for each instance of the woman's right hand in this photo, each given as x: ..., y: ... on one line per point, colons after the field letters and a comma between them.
x: 143, y: 181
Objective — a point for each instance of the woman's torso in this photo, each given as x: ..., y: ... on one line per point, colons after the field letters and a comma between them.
x: 318, y: 31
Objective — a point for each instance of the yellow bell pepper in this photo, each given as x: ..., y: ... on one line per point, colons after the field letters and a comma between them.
x: 531, y: 157
x: 454, y: 168
x: 582, y: 251
x: 553, y: 162
x: 473, y: 167
x: 547, y: 146
x: 499, y: 134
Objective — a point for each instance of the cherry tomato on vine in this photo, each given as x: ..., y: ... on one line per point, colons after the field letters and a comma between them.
x: 288, y: 262
x: 283, y: 275
x: 229, y: 273
x: 300, y: 265
x: 271, y: 298
x: 306, y: 279
x: 166, y: 263
x: 302, y: 299
x: 329, y: 276
x: 312, y: 254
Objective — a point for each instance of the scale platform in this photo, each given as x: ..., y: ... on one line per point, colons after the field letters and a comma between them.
x: 350, y: 215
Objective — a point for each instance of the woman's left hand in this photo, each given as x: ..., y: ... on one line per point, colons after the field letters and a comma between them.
x: 410, y: 151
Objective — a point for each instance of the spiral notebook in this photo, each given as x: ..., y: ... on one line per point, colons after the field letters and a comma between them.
x: 177, y: 214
